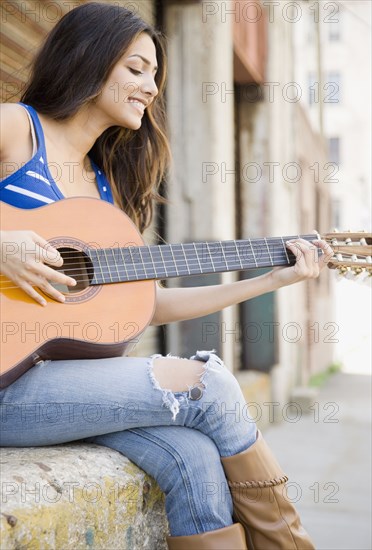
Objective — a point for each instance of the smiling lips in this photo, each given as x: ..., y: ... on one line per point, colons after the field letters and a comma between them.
x: 138, y: 105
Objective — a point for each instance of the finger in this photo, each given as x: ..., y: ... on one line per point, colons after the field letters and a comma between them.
x: 28, y: 289
x: 327, y: 250
x: 46, y: 252
x: 306, y: 257
x: 304, y: 249
x: 311, y: 256
x: 50, y: 255
x: 35, y: 279
x: 50, y: 274
x: 56, y: 276
x: 46, y: 287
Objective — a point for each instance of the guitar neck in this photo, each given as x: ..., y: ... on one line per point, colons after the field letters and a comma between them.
x: 138, y: 263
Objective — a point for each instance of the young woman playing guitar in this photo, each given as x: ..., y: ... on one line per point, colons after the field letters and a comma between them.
x: 95, y: 107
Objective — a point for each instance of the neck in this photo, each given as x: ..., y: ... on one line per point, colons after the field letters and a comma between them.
x: 76, y: 136
x: 176, y: 260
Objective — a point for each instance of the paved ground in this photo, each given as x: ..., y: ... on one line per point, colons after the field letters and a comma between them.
x: 327, y: 455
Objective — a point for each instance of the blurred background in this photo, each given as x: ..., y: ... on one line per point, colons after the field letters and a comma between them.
x: 269, y: 109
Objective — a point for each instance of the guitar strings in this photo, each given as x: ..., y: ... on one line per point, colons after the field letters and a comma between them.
x: 136, y: 251
x: 176, y: 255
x: 257, y: 253
x: 101, y: 269
x: 107, y: 262
x: 191, y: 262
x: 275, y: 242
x: 172, y: 260
x: 366, y: 267
x: 258, y: 242
x: 219, y: 266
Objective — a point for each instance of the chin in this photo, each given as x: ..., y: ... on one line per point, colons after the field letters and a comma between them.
x: 132, y: 123
x: 138, y: 125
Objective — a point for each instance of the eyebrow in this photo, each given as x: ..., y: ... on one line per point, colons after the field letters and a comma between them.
x: 146, y: 61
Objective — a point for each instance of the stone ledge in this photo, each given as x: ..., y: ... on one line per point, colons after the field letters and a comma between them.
x: 256, y: 388
x: 78, y: 496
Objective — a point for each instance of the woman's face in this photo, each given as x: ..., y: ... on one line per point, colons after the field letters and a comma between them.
x: 131, y: 86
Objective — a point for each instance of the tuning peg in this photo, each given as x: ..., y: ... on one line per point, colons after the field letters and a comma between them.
x: 341, y: 272
x: 350, y: 274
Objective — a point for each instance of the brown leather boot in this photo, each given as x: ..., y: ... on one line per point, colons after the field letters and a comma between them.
x: 228, y: 538
x: 256, y: 483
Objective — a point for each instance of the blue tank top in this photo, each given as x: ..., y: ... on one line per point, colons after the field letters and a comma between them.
x: 33, y: 185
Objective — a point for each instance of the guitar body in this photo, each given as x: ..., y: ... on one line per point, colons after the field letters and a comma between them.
x: 95, y: 321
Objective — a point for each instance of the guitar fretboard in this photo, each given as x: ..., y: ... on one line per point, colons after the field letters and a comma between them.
x: 138, y: 263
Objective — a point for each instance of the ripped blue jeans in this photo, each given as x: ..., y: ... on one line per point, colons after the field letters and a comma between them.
x: 176, y: 437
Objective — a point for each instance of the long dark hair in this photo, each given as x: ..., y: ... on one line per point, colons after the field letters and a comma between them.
x: 69, y: 72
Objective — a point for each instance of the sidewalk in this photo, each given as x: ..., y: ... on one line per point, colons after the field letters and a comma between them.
x: 327, y: 456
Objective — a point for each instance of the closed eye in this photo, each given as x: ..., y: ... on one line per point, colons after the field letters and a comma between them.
x: 135, y: 72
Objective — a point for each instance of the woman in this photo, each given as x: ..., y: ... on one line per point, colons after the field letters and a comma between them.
x: 94, y: 105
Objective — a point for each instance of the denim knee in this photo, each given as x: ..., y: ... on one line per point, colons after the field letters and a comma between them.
x: 215, y: 405
x: 214, y: 374
x: 187, y: 466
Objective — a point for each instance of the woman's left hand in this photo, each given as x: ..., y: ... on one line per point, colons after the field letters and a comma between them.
x: 308, y: 263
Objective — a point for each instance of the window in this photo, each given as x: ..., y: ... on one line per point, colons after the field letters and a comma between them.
x: 332, y: 87
x: 334, y: 150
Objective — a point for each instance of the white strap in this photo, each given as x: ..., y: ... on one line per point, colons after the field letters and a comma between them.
x: 34, y: 143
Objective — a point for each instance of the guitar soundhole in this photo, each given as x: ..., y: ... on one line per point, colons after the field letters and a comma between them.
x: 77, y: 265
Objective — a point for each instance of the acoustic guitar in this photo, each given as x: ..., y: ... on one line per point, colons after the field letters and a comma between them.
x: 101, y: 249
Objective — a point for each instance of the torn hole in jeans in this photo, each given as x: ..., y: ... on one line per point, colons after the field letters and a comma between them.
x: 194, y: 392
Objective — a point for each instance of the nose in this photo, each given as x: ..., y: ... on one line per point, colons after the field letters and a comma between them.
x: 149, y: 87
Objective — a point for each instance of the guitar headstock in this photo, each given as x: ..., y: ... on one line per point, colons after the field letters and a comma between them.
x: 352, y: 253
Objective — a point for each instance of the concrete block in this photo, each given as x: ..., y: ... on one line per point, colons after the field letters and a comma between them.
x: 78, y: 496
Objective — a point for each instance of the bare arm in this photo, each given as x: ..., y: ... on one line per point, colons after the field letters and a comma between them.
x: 14, y: 131
x: 178, y: 304
x: 25, y: 270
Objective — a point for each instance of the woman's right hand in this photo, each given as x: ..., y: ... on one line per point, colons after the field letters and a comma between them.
x: 23, y: 258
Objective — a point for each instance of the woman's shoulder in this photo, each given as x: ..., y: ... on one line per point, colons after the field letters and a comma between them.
x: 14, y: 123
x: 14, y: 128
x: 13, y: 114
